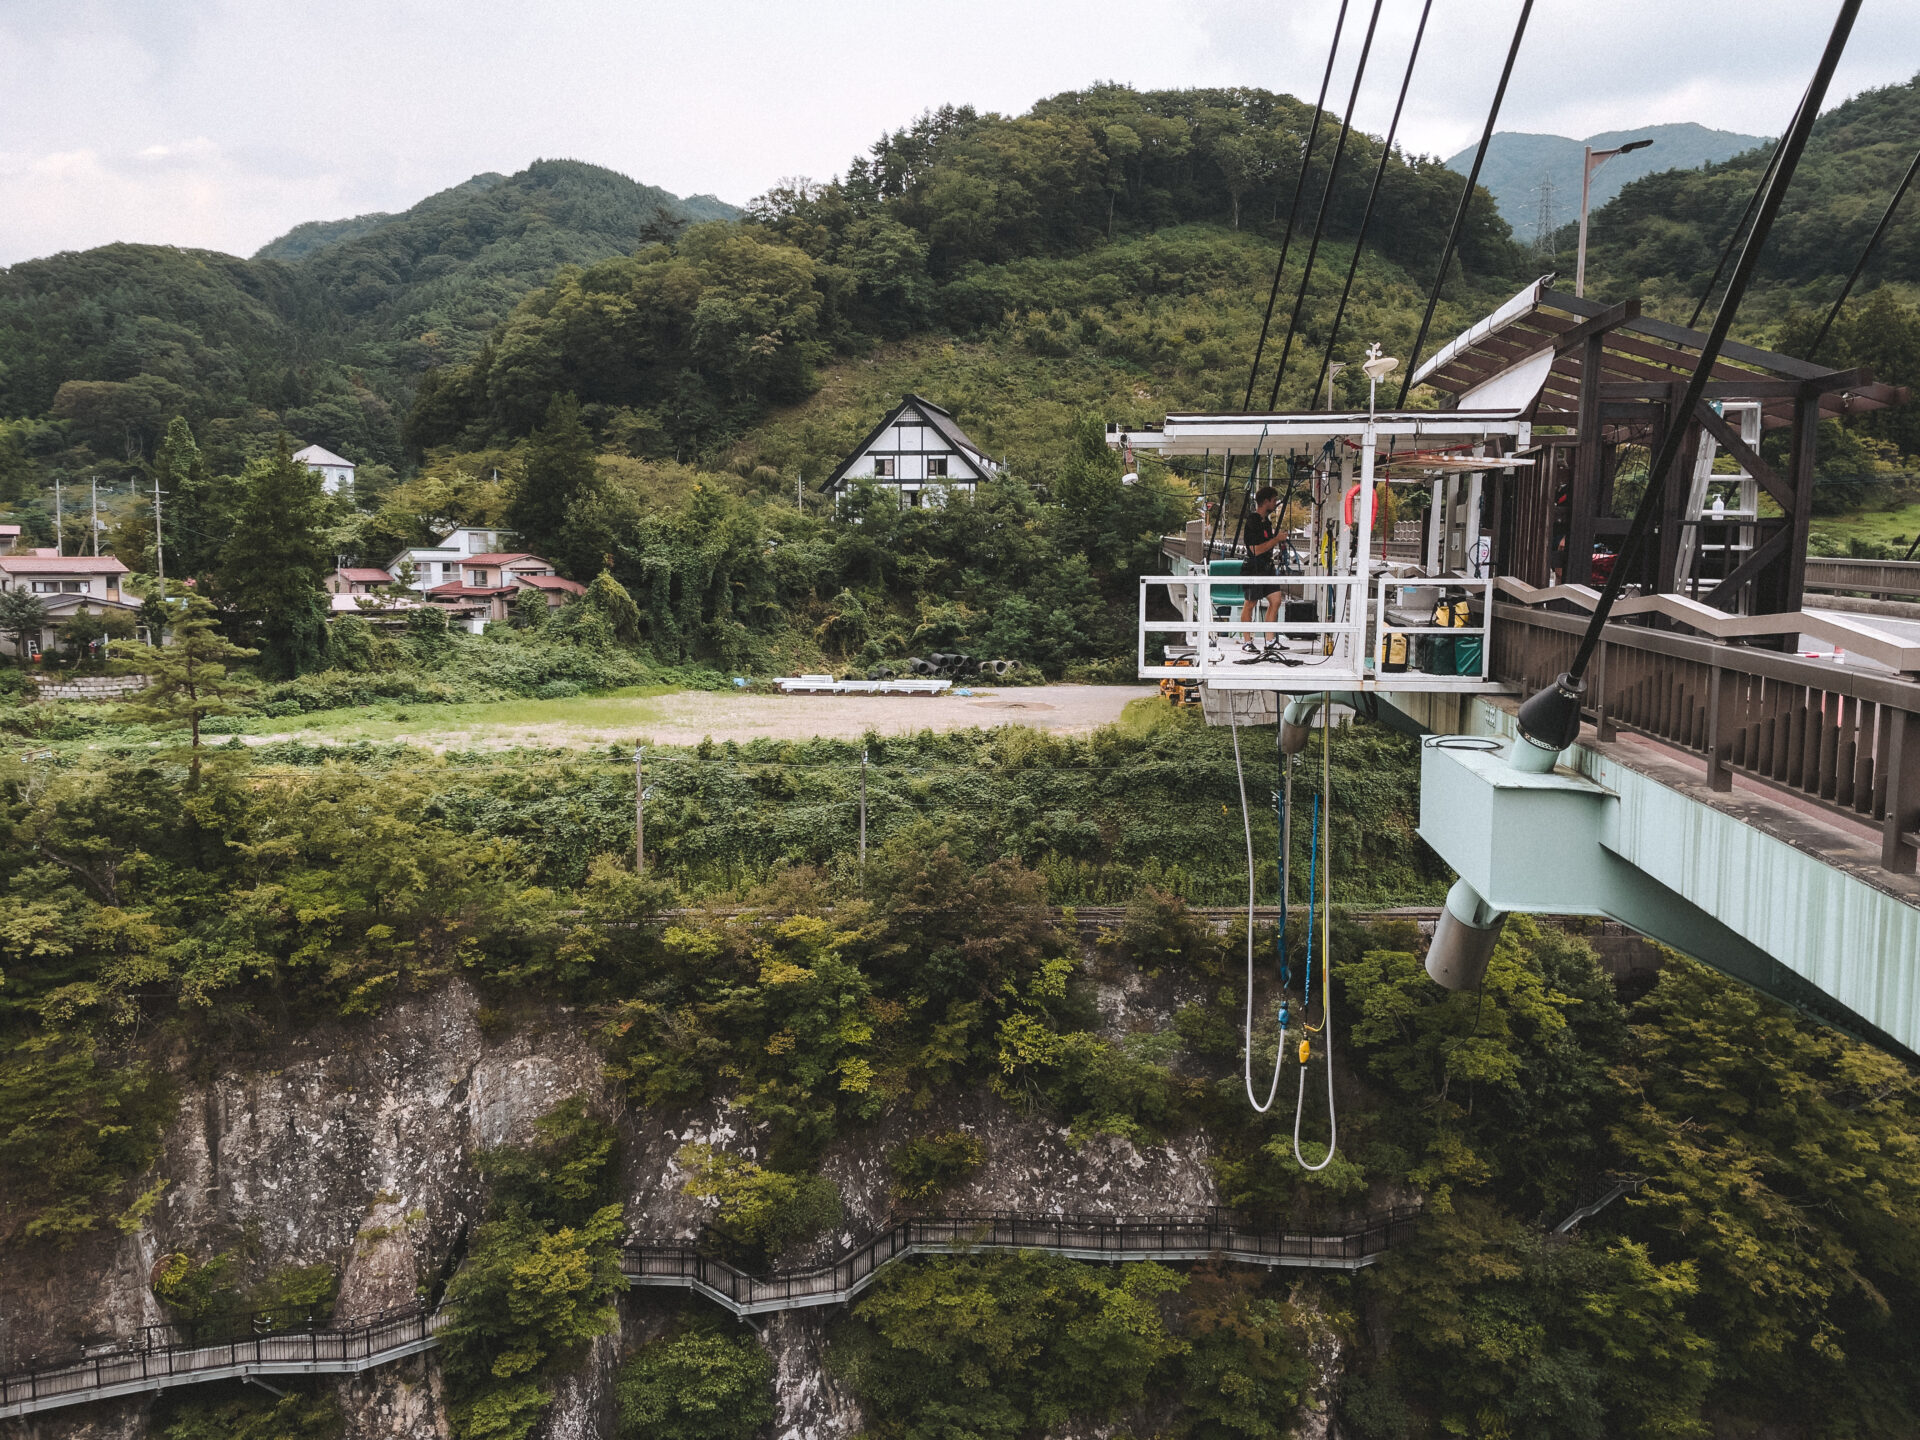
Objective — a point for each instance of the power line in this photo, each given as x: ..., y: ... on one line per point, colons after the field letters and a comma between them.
x: 1293, y: 210
x: 1366, y: 217
x: 1466, y: 200
x: 1326, y: 203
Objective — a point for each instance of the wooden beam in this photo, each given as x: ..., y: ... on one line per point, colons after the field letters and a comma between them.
x: 1763, y: 555
x: 1730, y: 441
x: 1585, y: 488
x: 1806, y: 433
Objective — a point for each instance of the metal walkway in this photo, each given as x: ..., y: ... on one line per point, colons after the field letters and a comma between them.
x: 151, y: 1367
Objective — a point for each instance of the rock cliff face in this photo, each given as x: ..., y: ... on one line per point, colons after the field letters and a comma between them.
x: 353, y: 1145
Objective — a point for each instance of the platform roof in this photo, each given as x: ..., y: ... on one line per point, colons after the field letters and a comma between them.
x: 1530, y: 353
x: 1307, y: 432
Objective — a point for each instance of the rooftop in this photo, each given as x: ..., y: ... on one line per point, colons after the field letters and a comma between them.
x: 61, y: 565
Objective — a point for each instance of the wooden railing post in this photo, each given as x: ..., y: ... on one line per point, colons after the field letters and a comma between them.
x: 1899, y: 842
x: 1723, y: 711
x: 1603, y: 728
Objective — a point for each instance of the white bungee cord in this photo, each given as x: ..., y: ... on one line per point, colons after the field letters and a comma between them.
x: 1326, y: 999
x: 1246, y: 823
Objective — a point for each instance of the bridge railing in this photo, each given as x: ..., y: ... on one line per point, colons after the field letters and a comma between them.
x: 1881, y: 579
x: 1844, y: 739
x: 142, y: 1365
x: 1071, y: 1234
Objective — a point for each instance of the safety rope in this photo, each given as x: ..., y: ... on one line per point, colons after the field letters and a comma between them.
x: 1325, y: 1028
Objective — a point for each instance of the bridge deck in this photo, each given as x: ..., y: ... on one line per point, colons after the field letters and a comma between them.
x: 1170, y: 1239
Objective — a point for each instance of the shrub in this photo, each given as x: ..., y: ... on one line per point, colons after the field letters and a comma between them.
x: 929, y: 1164
x: 700, y: 1383
x: 761, y: 1212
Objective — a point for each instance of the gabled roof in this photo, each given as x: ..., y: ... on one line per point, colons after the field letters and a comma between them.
x: 61, y: 565
x: 553, y: 582
x: 318, y: 455
x: 454, y: 590
x: 971, y: 455
x: 506, y: 559
x: 364, y: 574
x: 1529, y: 355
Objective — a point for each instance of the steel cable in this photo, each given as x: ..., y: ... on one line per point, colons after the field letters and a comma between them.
x: 1366, y: 216
x: 1466, y: 202
x: 1293, y: 210
x: 1326, y: 204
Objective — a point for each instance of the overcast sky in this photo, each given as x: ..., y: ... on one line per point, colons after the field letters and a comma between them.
x: 222, y: 123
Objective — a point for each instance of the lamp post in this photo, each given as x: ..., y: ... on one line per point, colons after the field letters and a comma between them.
x: 1334, y: 367
x: 1595, y: 159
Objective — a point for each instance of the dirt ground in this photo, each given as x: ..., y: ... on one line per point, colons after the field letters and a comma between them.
x: 687, y: 717
x: 1069, y: 709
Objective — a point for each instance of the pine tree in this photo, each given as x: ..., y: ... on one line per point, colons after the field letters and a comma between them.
x: 194, y: 506
x: 189, y: 678
x: 559, y: 469
x: 274, y: 563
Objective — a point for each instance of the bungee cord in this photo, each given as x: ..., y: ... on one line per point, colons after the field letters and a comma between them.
x: 1319, y: 883
x: 1246, y: 821
x: 1323, y: 815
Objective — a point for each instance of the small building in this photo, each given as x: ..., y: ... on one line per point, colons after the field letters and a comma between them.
x: 66, y: 585
x: 336, y: 473
x: 919, y: 452
x: 9, y: 538
x: 357, y: 580
x: 440, y: 564
x: 490, y: 583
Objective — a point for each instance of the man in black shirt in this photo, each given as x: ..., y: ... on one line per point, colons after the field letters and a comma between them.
x: 1264, y: 534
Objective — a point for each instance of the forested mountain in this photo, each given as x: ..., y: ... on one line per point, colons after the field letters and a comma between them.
x: 1518, y: 162
x: 1664, y: 233
x: 322, y: 334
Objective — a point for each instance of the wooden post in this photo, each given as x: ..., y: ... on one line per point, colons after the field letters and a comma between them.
x: 639, y: 814
x: 1583, y: 496
x: 1723, y: 713
x: 1899, y: 844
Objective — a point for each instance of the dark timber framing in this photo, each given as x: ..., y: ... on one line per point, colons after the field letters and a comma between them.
x: 1615, y: 381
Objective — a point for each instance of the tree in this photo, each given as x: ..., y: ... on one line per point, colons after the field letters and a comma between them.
x: 86, y: 629
x: 530, y: 608
x: 703, y: 1383
x: 195, y: 507
x: 23, y: 615
x: 273, y: 564
x: 559, y: 469
x: 189, y: 679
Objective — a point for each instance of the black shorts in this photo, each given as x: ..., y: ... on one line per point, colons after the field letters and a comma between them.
x: 1260, y: 588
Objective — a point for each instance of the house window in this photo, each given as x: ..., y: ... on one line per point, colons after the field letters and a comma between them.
x: 73, y: 587
x: 913, y: 498
x: 46, y: 587
x: 937, y: 468
x: 883, y: 467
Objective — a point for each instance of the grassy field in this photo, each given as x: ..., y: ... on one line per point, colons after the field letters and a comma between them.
x: 1879, y: 527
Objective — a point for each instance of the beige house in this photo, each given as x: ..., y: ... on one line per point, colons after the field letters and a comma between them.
x: 67, y: 585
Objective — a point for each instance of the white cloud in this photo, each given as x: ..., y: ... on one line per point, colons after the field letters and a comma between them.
x: 222, y: 123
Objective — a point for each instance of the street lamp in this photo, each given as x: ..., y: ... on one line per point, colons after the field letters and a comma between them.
x: 1595, y: 159
x: 1334, y: 367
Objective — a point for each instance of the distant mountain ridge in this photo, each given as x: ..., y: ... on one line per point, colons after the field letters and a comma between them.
x: 1517, y: 161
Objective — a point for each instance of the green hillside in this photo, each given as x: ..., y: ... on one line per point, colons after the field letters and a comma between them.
x: 322, y: 334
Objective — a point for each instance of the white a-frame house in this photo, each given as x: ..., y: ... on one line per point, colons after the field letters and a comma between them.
x: 918, y: 452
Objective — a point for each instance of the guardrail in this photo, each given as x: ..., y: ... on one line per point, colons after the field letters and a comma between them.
x: 1215, y: 639
x: 1078, y: 1237
x: 1841, y: 738
x: 150, y: 1363
x: 143, y: 1367
x: 1881, y: 579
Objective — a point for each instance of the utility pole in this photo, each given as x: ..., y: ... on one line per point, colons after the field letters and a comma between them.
x: 59, y: 521
x: 95, y: 479
x: 159, y: 545
x: 639, y: 814
x: 863, y: 822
